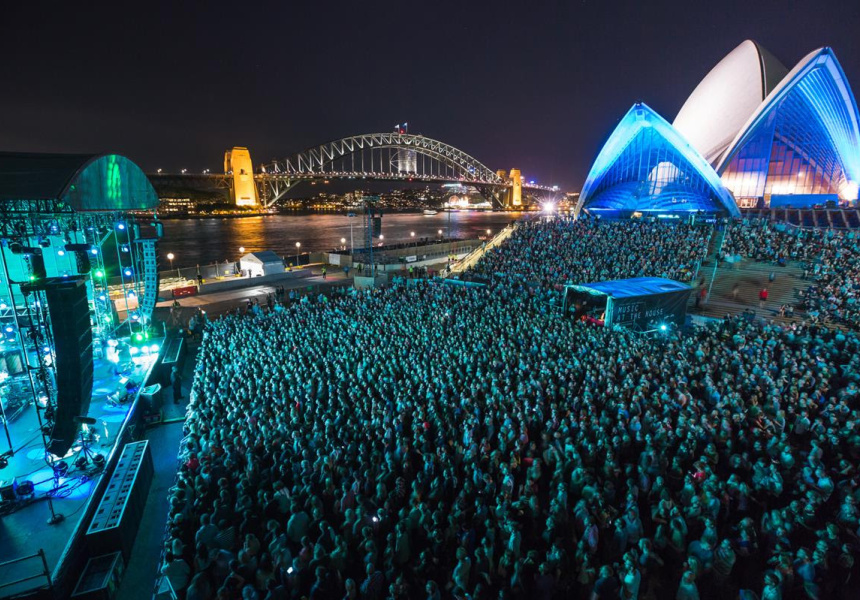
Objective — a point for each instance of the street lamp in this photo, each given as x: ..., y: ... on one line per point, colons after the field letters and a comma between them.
x: 298, y: 245
x: 412, y: 235
x: 170, y: 257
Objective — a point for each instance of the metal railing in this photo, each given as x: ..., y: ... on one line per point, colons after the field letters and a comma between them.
x: 717, y: 251
x: 46, y: 573
x: 473, y: 257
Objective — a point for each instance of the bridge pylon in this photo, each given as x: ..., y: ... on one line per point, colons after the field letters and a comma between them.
x: 516, y: 197
x: 240, y: 173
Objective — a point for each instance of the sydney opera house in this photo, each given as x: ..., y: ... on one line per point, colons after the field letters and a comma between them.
x: 752, y: 134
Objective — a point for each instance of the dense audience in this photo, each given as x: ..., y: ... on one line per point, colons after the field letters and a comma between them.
x: 830, y: 259
x: 440, y: 441
x: 562, y: 251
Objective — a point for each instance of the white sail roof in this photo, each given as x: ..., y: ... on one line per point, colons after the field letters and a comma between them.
x: 727, y: 97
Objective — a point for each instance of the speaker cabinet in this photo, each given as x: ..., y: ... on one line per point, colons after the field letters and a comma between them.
x: 73, y: 349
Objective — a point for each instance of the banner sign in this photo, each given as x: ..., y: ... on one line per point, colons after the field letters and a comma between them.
x: 648, y: 312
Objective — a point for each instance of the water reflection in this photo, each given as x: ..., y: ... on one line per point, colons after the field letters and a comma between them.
x: 204, y: 241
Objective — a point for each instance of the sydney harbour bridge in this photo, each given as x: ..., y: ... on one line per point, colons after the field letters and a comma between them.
x: 392, y: 156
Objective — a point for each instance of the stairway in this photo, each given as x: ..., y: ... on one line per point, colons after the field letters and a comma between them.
x: 476, y: 255
x: 751, y: 277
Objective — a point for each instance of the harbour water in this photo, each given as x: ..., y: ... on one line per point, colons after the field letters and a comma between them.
x: 204, y: 241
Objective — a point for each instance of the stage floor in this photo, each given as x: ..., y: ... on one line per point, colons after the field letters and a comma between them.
x: 25, y: 530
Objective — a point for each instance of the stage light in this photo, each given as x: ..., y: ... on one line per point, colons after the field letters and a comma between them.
x: 127, y: 272
x: 99, y: 274
x: 3, y: 305
x: 120, y: 225
x: 47, y: 350
x: 9, y: 329
x: 133, y: 350
x: 154, y: 348
x: 138, y: 337
x: 131, y: 293
x: 663, y: 327
x: 61, y: 252
x: 102, y: 297
x: 94, y: 251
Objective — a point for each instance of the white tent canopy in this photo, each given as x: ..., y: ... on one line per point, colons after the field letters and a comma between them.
x: 257, y: 264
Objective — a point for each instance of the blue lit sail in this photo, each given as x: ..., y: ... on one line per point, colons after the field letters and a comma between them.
x: 803, y: 139
x: 646, y: 165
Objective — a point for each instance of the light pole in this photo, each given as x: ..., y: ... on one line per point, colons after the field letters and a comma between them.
x: 343, y: 241
x: 412, y: 235
x: 170, y: 257
x: 298, y: 245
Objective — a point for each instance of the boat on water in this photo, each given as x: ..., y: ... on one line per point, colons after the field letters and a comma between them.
x: 429, y: 212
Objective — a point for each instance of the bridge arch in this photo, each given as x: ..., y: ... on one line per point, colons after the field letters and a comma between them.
x: 395, y: 154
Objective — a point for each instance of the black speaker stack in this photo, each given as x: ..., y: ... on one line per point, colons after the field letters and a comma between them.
x: 73, y: 350
x: 148, y: 259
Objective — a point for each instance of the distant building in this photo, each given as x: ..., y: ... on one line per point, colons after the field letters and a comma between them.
x: 177, y: 206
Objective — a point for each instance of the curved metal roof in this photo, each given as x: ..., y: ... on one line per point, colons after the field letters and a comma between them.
x: 87, y: 182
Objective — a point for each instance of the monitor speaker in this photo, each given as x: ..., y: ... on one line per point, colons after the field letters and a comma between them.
x: 73, y: 349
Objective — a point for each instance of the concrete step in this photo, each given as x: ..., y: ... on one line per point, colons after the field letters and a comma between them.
x: 750, y: 277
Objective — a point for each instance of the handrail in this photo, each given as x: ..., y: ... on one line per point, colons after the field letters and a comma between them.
x: 474, y: 256
x: 46, y: 573
x: 717, y: 261
x: 699, y: 262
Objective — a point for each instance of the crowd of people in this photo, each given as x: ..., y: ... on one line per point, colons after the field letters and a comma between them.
x: 830, y: 260
x: 564, y: 250
x: 434, y: 441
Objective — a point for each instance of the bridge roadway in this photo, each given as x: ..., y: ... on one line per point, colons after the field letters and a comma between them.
x: 223, y: 179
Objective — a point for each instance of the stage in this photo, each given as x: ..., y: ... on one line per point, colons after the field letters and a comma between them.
x: 24, y: 528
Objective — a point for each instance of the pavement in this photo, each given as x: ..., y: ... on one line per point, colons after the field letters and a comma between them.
x: 220, y: 302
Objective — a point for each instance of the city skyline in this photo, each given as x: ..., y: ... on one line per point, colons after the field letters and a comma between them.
x: 539, y: 89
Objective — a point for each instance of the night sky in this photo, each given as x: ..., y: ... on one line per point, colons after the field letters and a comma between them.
x: 535, y: 85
